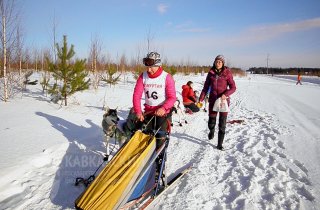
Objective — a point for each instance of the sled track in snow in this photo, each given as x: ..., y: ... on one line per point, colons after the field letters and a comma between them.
x: 254, y: 173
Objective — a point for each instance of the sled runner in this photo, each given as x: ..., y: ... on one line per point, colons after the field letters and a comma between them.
x: 153, y: 201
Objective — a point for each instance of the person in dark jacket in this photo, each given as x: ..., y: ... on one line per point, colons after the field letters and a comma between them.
x: 221, y: 84
x: 188, y: 97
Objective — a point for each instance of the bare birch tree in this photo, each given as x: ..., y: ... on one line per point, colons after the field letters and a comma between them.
x: 95, y: 59
x: 9, y: 17
x: 149, y: 39
x: 54, y: 37
x: 4, y: 46
x: 123, y: 63
x: 18, y: 56
x: 35, y: 58
x: 26, y: 58
x: 136, y: 63
x: 19, y: 47
x: 45, y: 53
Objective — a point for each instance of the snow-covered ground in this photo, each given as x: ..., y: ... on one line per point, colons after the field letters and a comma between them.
x: 271, y: 160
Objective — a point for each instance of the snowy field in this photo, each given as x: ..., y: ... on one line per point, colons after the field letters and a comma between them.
x: 271, y: 159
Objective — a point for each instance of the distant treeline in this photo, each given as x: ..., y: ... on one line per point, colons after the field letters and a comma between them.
x: 122, y: 67
x: 288, y: 71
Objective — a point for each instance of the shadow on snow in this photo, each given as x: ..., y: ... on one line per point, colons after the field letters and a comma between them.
x: 81, y: 159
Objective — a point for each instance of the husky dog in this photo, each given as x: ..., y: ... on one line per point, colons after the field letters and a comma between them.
x: 178, y: 110
x: 120, y: 130
x: 113, y: 128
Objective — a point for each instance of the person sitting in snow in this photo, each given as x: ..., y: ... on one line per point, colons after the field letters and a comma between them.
x: 220, y: 79
x: 159, y: 91
x: 188, y: 97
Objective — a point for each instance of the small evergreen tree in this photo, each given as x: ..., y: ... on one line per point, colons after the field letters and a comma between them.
x: 111, y: 77
x: 71, y: 76
x: 45, y: 81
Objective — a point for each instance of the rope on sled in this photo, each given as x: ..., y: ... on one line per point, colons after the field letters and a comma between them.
x: 90, y: 179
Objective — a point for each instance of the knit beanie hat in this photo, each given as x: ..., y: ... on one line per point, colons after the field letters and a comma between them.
x: 221, y: 58
x: 152, y: 59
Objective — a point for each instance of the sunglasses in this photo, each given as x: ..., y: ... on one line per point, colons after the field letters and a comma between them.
x: 150, y: 61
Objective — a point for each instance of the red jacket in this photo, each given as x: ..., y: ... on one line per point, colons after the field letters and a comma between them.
x: 188, y: 96
x: 299, y: 77
x: 220, y: 84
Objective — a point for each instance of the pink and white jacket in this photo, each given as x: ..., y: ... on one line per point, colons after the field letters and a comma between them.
x: 164, y: 97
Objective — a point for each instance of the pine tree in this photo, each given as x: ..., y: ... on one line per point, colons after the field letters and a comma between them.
x: 111, y: 77
x: 70, y: 77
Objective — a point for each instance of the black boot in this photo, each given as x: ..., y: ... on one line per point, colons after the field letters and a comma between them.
x: 222, y: 131
x: 211, y: 125
x: 220, y: 141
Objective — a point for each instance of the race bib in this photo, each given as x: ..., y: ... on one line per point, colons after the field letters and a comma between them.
x: 154, y: 89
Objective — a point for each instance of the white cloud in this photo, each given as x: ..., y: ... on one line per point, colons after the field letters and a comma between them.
x: 162, y: 8
x: 243, y: 49
x: 269, y: 32
x: 248, y: 36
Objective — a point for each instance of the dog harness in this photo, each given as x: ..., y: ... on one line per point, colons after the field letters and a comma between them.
x: 154, y: 89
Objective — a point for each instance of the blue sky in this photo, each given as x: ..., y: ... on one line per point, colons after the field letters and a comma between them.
x: 184, y: 31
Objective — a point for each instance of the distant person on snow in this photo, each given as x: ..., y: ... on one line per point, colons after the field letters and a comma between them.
x: 221, y: 84
x: 159, y: 91
x: 188, y: 97
x: 299, y: 79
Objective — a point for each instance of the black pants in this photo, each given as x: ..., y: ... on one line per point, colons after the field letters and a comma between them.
x: 160, y: 124
x: 193, y: 107
x: 222, y: 127
x: 154, y: 123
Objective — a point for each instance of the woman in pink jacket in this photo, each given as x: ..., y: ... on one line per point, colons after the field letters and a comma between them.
x: 158, y: 89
